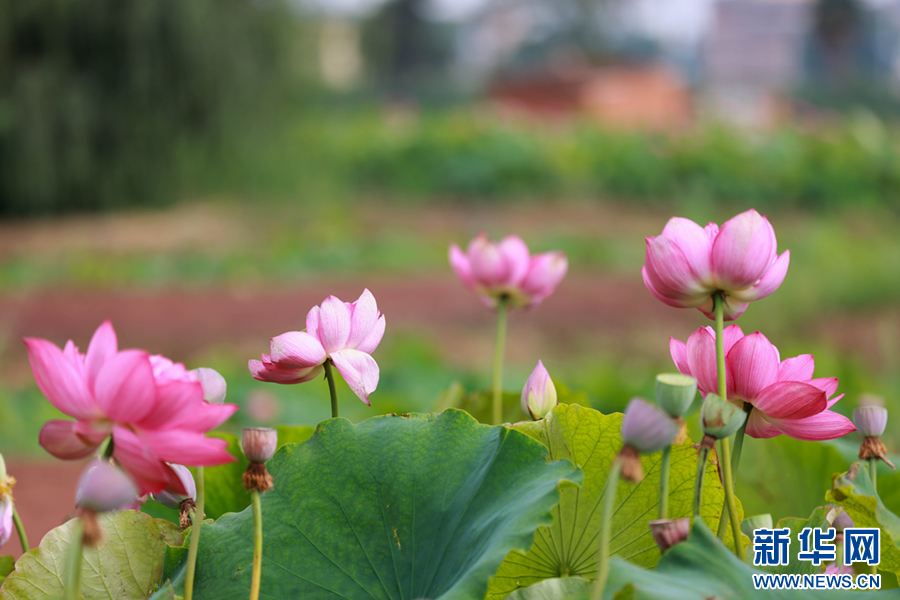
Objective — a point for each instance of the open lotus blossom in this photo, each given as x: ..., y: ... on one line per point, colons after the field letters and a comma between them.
x: 688, y: 264
x: 507, y: 270
x: 785, y: 397
x: 153, y: 409
x: 345, y: 333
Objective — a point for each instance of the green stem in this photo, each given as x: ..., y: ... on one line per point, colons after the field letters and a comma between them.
x: 20, y: 529
x: 73, y: 568
x: 702, y: 460
x: 609, y: 503
x: 257, y: 545
x: 873, y: 472
x: 329, y: 375
x: 196, y: 524
x: 108, y: 450
x: 664, y: 482
x: 735, y: 461
x: 497, y: 378
x: 724, y: 444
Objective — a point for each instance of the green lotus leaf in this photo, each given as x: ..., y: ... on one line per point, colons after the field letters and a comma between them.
x: 697, y: 569
x: 127, y: 563
x: 397, y: 507
x: 854, y: 491
x: 569, y: 546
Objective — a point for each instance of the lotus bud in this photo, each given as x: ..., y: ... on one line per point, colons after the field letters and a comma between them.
x: 675, y: 393
x: 871, y: 421
x: 103, y: 487
x: 645, y: 429
x: 6, y: 519
x: 668, y: 532
x: 842, y: 521
x: 184, y: 503
x: 259, y: 444
x: 6, y: 503
x: 751, y: 524
x: 539, y: 393
x: 720, y: 419
x: 214, y: 386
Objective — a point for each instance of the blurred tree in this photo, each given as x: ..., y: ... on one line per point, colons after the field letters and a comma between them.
x: 96, y: 96
x: 407, y: 53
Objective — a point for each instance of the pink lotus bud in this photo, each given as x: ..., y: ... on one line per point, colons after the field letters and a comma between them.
x: 259, y: 443
x: 539, y: 393
x: 173, y: 499
x: 668, y: 532
x: 214, y: 386
x: 104, y: 487
x: 6, y: 519
x: 871, y: 420
x: 842, y: 521
x: 687, y: 264
x: 646, y: 427
x: 506, y: 270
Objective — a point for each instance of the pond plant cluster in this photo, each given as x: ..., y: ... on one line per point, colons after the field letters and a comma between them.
x: 567, y: 503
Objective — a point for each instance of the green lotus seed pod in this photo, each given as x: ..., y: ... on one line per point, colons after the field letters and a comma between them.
x: 675, y: 393
x: 720, y: 418
x: 756, y: 522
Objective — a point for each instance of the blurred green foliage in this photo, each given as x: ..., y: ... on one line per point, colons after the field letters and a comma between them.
x: 98, y: 96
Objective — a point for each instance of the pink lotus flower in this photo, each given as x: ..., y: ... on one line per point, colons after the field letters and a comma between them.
x: 507, y: 270
x: 343, y: 332
x: 153, y: 408
x: 6, y: 519
x: 688, y: 264
x: 785, y: 397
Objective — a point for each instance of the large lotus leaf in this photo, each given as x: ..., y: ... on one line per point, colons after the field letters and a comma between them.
x: 591, y: 440
x: 403, y: 507
x: 125, y: 565
x: 853, y: 490
x: 698, y: 569
x: 224, y: 489
x: 805, y: 470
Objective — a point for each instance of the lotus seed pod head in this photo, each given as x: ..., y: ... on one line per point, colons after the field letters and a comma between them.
x: 171, y: 499
x: 539, y: 393
x: 104, y: 487
x: 751, y: 524
x: 842, y: 520
x: 214, y: 386
x: 721, y: 418
x: 668, y: 532
x: 647, y: 427
x: 675, y: 393
x: 870, y: 420
x: 259, y: 443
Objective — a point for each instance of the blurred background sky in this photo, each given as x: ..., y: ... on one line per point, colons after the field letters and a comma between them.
x: 204, y: 172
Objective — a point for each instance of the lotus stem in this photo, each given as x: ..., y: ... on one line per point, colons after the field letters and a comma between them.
x: 664, y: 482
x: 73, y: 568
x: 609, y: 503
x: 329, y: 375
x: 196, y: 524
x: 873, y: 472
x: 257, y: 545
x: 20, y: 530
x: 702, y: 459
x: 735, y: 462
x: 724, y: 444
x: 499, y: 346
